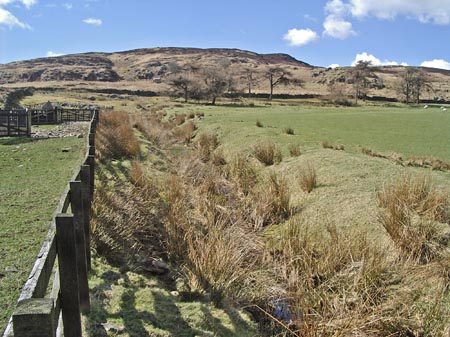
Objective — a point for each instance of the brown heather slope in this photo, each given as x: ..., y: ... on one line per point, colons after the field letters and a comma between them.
x: 137, y: 69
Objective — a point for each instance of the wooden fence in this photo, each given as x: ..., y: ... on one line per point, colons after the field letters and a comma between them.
x: 18, y: 122
x: 53, y: 296
x: 15, y: 123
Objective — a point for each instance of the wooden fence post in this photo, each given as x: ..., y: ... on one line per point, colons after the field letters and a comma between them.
x: 28, y: 123
x: 68, y: 276
x: 34, y: 317
x: 9, y: 123
x: 87, y: 198
x: 76, y: 202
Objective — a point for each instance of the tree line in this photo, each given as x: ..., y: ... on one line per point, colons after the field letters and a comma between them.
x: 213, y: 81
x: 194, y: 82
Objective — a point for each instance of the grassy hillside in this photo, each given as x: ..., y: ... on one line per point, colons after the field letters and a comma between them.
x: 33, y: 176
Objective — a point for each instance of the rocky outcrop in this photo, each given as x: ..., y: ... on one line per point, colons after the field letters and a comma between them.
x: 63, y: 68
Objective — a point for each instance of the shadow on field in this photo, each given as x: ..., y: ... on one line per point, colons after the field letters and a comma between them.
x: 127, y: 316
x: 16, y: 140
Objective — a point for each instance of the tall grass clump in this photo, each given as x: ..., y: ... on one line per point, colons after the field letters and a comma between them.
x: 288, y: 131
x: 206, y: 143
x: 185, y: 132
x: 116, y: 138
x: 332, y: 279
x: 411, y: 208
x: 294, y: 150
x: 242, y: 173
x: 270, y: 201
x: 267, y: 152
x: 307, y: 177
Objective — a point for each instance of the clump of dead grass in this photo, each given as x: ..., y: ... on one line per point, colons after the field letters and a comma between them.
x: 242, y: 173
x: 185, y: 132
x: 372, y: 153
x: 267, y: 152
x: 270, y: 201
x: 327, y: 145
x: 116, y: 138
x: 206, y: 144
x: 294, y: 150
x: 411, y: 207
x: 288, y: 131
x: 307, y: 177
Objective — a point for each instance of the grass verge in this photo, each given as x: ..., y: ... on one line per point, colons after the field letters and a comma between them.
x: 33, y: 175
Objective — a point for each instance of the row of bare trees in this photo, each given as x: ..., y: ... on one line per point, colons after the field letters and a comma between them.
x: 212, y: 82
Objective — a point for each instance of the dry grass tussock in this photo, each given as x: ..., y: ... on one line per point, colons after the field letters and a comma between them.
x: 153, y: 128
x: 267, y: 152
x: 307, y: 177
x: 327, y: 145
x: 339, y: 283
x: 116, y: 138
x: 411, y: 208
x: 206, y: 144
x: 294, y: 150
x: 428, y: 162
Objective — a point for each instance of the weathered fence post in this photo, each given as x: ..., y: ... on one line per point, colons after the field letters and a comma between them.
x: 76, y: 202
x: 70, y: 302
x: 87, y: 198
x: 28, y: 122
x: 34, y: 317
x: 9, y: 123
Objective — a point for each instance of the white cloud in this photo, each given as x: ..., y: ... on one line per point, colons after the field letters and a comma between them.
x: 300, y: 37
x: 68, y: 6
x: 335, y: 24
x: 9, y: 20
x: 440, y: 64
x: 436, y: 11
x: 374, y: 61
x: 337, y: 27
x: 92, y: 21
x: 333, y: 66
x: 53, y: 54
x: 337, y: 8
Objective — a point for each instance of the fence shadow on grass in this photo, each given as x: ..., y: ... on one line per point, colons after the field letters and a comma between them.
x: 16, y: 140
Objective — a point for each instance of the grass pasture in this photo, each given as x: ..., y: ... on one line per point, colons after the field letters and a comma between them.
x: 412, y: 131
x: 33, y: 175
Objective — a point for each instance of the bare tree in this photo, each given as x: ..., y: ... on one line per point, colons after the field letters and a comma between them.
x: 359, y: 80
x: 250, y: 79
x: 411, y: 84
x: 277, y: 76
x: 181, y: 82
x: 216, y: 82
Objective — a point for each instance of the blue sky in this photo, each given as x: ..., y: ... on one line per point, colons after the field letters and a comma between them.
x: 323, y: 33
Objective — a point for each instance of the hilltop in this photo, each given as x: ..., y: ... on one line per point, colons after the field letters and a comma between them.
x: 148, y: 69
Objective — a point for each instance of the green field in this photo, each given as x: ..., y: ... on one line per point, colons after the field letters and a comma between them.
x: 33, y: 175
x: 410, y: 131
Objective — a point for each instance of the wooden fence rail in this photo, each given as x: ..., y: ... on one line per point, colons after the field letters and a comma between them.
x: 54, y: 295
x: 18, y: 122
x: 15, y: 123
